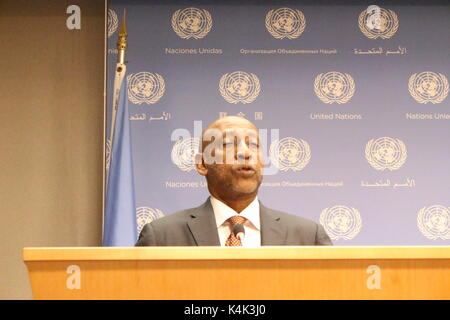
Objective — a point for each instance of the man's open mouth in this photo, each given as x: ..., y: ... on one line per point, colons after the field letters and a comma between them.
x: 245, y: 170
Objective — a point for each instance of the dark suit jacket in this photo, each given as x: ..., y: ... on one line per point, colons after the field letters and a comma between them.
x: 197, y: 227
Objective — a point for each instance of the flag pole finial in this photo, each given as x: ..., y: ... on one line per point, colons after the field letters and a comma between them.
x: 122, y: 41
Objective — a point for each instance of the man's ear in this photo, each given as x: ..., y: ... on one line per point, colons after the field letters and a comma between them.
x: 200, y: 165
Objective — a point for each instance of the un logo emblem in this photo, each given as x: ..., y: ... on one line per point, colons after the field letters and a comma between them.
x: 146, y: 215
x: 341, y: 222
x: 434, y: 222
x: 183, y: 153
x: 334, y: 87
x: 145, y: 87
x: 428, y: 87
x: 381, y: 23
x: 191, y: 23
x: 386, y: 153
x: 239, y: 86
x: 113, y: 22
x: 290, y: 154
x: 285, y: 23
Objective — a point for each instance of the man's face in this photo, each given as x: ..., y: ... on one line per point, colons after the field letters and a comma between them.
x: 232, y: 158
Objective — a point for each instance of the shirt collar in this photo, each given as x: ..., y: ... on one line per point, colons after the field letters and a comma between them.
x: 222, y: 212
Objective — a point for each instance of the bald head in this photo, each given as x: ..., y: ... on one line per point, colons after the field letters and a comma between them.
x: 232, y: 121
x: 223, y: 124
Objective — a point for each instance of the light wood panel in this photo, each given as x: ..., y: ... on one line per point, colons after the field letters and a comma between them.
x: 214, y: 253
x: 241, y: 273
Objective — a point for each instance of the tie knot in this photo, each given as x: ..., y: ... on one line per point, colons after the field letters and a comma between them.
x: 237, y: 220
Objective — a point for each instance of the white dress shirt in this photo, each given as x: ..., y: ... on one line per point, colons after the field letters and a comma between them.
x: 252, y: 225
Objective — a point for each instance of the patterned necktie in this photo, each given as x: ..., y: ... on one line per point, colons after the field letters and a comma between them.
x: 232, y: 240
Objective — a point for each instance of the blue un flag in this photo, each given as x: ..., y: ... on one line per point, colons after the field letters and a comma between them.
x: 120, y: 226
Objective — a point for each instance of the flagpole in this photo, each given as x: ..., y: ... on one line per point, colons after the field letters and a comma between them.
x: 120, y: 208
x: 118, y: 78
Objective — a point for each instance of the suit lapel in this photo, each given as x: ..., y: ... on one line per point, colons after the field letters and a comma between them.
x: 202, y: 224
x: 272, y: 231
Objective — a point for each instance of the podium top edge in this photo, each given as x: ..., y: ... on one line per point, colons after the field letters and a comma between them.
x: 236, y: 253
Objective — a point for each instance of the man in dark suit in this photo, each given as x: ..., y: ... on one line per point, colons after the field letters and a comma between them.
x: 231, y: 161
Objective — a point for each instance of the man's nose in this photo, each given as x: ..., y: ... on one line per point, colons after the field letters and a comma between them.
x: 243, y: 152
x: 243, y: 156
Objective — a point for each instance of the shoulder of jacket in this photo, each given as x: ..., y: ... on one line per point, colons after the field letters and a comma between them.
x: 291, y: 220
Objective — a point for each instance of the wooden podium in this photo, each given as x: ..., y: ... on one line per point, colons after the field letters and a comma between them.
x: 239, y: 273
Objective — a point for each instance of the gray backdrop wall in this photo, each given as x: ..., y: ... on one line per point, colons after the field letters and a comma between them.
x: 51, y: 123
